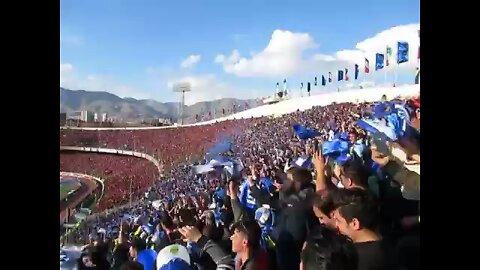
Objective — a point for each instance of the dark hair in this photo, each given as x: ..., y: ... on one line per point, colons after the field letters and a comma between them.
x: 131, y: 265
x: 227, y: 202
x: 356, y: 172
x: 324, y: 204
x: 166, y: 221
x: 328, y: 250
x: 139, y: 244
x: 301, y: 175
x: 357, y: 203
x: 252, y: 230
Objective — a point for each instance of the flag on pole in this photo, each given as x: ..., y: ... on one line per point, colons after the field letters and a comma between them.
x: 367, y: 66
x: 324, y: 82
x: 315, y: 81
x: 402, y: 52
x: 389, y: 55
x: 379, y: 61
x: 329, y: 77
x: 417, y: 76
x: 356, y: 71
x: 346, y: 74
x: 340, y: 75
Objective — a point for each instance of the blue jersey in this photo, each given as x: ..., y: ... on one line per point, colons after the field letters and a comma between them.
x: 246, y: 198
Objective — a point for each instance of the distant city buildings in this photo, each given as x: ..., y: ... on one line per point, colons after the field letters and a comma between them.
x: 84, y: 117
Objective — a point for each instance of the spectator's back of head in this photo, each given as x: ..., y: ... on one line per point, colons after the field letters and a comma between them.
x: 130, y: 265
x: 300, y: 175
x: 137, y: 246
x: 329, y: 251
x: 166, y: 221
x: 354, y: 174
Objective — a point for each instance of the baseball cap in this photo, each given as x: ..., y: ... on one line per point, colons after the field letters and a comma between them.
x: 173, y: 257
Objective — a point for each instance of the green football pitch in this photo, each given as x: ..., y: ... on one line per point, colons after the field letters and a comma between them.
x: 66, y: 187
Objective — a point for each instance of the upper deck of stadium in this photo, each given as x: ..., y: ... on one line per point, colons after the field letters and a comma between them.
x: 298, y: 103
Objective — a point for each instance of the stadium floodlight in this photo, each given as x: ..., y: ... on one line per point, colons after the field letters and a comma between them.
x: 182, y: 87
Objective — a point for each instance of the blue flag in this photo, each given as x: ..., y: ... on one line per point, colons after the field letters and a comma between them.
x: 335, y: 146
x: 304, y: 133
x: 356, y: 71
x: 402, y: 52
x: 246, y: 198
x: 340, y: 75
x: 379, y: 58
x: 324, y: 82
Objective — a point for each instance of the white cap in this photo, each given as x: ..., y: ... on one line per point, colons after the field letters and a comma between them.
x: 172, y: 252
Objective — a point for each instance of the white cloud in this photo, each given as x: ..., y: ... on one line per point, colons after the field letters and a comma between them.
x: 282, y: 56
x: 70, y: 79
x: 378, y: 43
x: 207, y: 87
x: 191, y: 61
x: 285, y: 54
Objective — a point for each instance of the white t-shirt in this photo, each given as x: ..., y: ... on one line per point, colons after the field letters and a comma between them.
x: 331, y: 135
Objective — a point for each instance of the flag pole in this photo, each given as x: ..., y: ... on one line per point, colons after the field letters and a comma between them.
x: 395, y: 79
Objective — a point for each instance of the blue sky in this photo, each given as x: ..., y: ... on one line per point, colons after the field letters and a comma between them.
x: 136, y: 47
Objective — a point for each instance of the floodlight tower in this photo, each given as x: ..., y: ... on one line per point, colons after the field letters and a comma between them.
x: 182, y: 88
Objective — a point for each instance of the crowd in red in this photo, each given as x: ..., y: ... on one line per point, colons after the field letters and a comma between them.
x: 169, y: 145
x: 118, y: 171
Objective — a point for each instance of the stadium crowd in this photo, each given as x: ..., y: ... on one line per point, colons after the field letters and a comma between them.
x: 171, y: 145
x: 328, y: 197
x: 124, y: 175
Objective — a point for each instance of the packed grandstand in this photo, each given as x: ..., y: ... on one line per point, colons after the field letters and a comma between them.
x: 321, y: 182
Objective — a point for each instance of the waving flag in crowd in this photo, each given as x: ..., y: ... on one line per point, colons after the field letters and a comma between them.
x: 304, y: 133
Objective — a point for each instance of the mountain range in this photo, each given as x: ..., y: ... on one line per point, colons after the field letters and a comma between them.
x: 131, y: 109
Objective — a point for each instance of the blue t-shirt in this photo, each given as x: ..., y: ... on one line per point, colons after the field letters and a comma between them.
x: 147, y: 258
